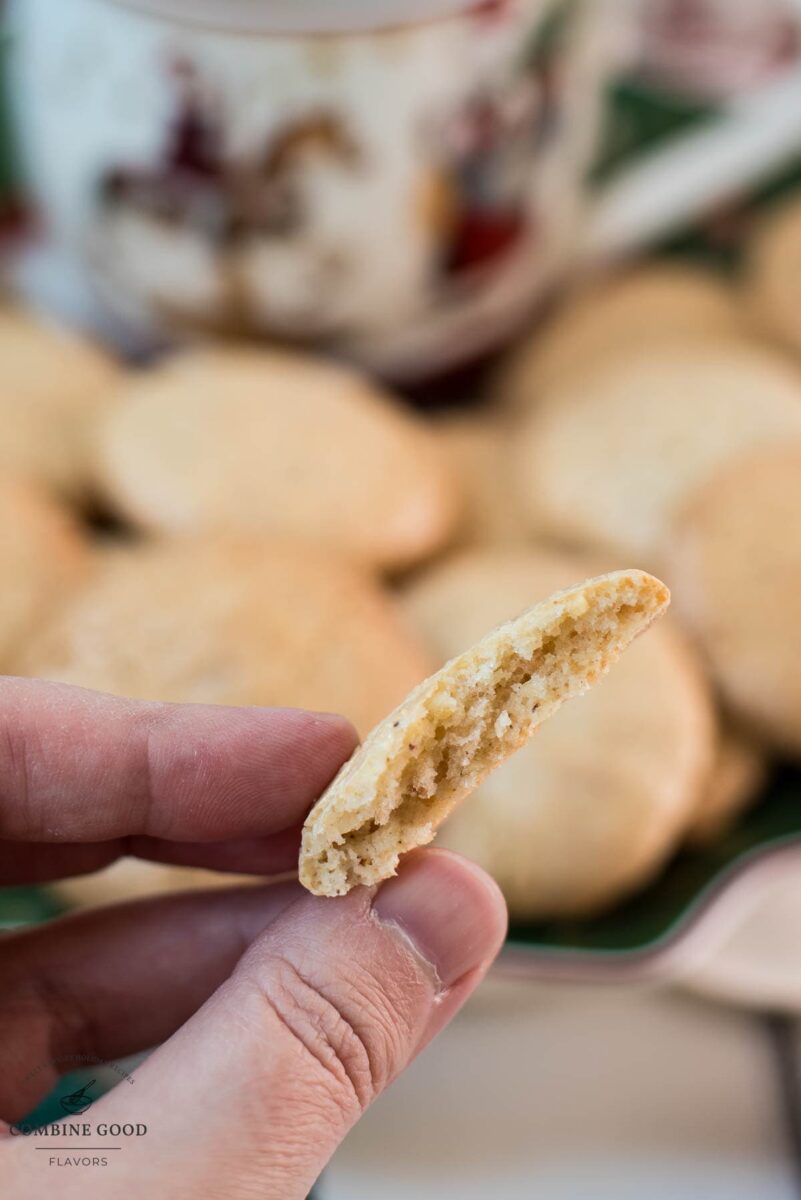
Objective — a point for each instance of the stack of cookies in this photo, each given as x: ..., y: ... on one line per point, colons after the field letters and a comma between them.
x: 280, y: 530
x: 654, y: 418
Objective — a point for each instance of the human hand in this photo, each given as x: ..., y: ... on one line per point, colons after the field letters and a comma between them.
x: 282, y: 1015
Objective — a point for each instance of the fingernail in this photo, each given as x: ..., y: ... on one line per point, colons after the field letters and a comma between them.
x: 449, y: 909
x: 336, y: 721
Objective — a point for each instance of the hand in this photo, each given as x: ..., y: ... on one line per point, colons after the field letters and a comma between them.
x: 282, y: 1016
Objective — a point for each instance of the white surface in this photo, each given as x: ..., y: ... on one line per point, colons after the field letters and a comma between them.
x: 759, y: 963
x: 577, y: 1095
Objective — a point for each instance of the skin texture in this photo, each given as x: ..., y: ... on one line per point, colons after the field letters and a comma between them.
x: 311, y: 1007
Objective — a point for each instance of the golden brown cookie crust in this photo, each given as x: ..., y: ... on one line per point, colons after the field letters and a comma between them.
x: 738, y: 771
x: 44, y: 556
x: 265, y: 443
x: 735, y: 560
x: 608, y: 463
x: 613, y: 318
x: 55, y: 387
x: 772, y: 278
x: 479, y: 450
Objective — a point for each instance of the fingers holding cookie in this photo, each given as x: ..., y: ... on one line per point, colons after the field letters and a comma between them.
x: 267, y: 492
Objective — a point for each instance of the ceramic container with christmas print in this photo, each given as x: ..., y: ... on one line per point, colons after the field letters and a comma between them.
x: 395, y: 180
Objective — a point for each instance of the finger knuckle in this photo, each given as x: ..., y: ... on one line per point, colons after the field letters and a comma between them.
x: 344, y: 1029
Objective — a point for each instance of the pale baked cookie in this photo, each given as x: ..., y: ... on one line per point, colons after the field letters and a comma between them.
x: 773, y: 273
x: 250, y: 442
x: 611, y: 318
x: 735, y: 559
x: 592, y: 807
x: 609, y: 461
x: 478, y: 448
x: 135, y: 879
x: 738, y: 772
x: 43, y: 556
x: 217, y: 623
x: 54, y: 387
x: 460, y: 724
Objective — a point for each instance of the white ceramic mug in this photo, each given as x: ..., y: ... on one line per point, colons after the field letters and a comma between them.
x: 394, y: 180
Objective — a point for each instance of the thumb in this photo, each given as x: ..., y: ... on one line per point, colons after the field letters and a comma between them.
x: 254, y: 1094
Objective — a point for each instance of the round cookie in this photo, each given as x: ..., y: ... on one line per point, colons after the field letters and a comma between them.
x: 735, y: 559
x: 218, y: 623
x: 478, y: 449
x: 43, y: 555
x: 54, y: 387
x: 737, y: 774
x: 265, y: 443
x: 773, y: 271
x: 613, y: 317
x: 609, y: 462
x: 592, y: 807
x: 136, y: 879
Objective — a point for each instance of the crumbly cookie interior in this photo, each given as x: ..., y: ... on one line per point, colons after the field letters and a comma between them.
x: 457, y: 727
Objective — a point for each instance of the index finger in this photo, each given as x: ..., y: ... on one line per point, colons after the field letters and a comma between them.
x: 79, y: 766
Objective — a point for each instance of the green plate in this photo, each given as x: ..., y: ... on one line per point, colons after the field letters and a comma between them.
x: 26, y: 906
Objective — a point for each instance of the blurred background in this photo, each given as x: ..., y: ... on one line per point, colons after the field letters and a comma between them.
x: 327, y: 342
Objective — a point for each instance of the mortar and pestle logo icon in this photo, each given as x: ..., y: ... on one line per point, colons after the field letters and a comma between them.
x: 77, y: 1102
